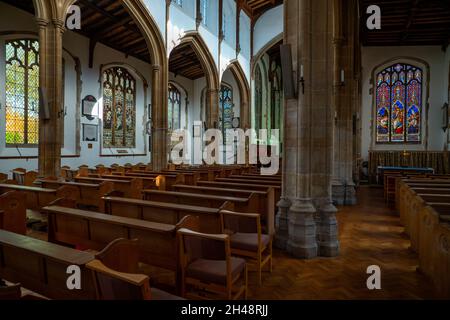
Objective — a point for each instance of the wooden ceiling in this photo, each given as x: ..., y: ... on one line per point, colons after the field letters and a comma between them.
x: 256, y: 8
x: 107, y: 22
x: 408, y: 22
x: 184, y: 62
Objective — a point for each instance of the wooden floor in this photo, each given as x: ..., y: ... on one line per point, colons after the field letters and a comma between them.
x: 370, y: 234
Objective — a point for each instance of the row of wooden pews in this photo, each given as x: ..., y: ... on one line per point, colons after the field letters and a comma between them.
x: 44, y: 268
x: 424, y: 206
x: 158, y: 218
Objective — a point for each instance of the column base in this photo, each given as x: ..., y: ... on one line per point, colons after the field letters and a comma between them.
x: 344, y: 194
x: 302, y: 252
x: 302, y: 241
x: 328, y: 231
x: 282, y: 224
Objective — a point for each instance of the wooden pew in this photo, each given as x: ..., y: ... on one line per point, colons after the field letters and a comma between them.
x: 205, y: 175
x: 158, y: 244
x: 252, y: 186
x: 434, y: 249
x: 256, y: 177
x: 241, y: 204
x: 413, y: 210
x: 42, y: 267
x: 13, y: 216
x: 130, y: 188
x: 266, y: 200
x: 166, y: 180
x: 147, y: 182
x: 249, y: 181
x: 37, y: 198
x: 169, y: 213
x: 88, y: 194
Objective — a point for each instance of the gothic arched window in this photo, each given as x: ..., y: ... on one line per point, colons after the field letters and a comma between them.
x: 399, y: 104
x: 22, y: 92
x: 174, y: 112
x: 119, y: 108
x: 226, y: 112
x: 258, y: 98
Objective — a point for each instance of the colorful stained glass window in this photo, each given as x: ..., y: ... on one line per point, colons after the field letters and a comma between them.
x: 22, y: 92
x: 226, y: 112
x: 399, y: 104
x: 119, y: 108
x: 174, y: 112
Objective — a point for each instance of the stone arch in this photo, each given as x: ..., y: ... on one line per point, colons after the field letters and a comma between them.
x: 244, y: 91
x: 159, y: 82
x: 211, y: 73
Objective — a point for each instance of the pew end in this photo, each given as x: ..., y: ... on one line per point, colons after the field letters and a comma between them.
x: 121, y: 255
x: 13, y: 212
x: 125, y: 286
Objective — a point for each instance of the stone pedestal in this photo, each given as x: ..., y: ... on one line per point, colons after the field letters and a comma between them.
x: 282, y: 224
x: 344, y: 193
x: 302, y: 230
x: 328, y: 231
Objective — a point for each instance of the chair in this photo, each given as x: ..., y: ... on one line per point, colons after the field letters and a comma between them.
x: 122, y: 256
x: 247, y: 239
x: 207, y: 268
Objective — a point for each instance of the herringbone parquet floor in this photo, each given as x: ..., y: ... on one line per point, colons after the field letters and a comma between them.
x: 370, y: 234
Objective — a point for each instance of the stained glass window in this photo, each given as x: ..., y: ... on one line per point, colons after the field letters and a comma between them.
x: 178, y: 2
x: 174, y: 112
x: 399, y: 104
x: 22, y: 92
x: 258, y: 98
x: 226, y: 112
x: 119, y: 109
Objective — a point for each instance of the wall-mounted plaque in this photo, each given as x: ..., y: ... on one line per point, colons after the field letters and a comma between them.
x: 90, y: 132
x: 90, y: 107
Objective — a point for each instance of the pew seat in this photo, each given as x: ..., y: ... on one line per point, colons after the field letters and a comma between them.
x: 42, y: 266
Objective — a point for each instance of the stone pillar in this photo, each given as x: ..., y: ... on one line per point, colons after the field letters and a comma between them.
x: 308, y: 136
x: 50, y: 81
x: 160, y: 139
x: 297, y: 139
x: 344, y: 44
x: 213, y: 108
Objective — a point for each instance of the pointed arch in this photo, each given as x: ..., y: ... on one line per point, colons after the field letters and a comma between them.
x: 206, y: 59
x: 160, y: 76
x: 194, y: 39
x: 244, y: 91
